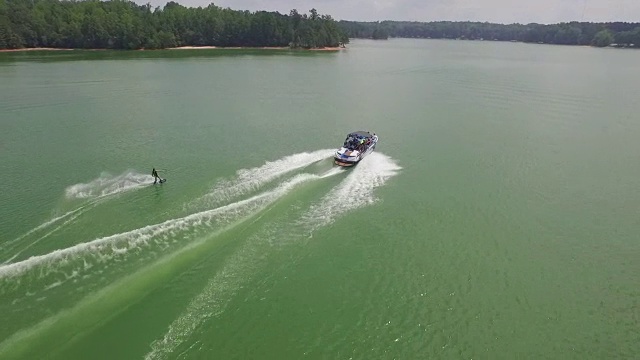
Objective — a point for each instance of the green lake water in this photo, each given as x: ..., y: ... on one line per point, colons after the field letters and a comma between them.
x: 498, y: 217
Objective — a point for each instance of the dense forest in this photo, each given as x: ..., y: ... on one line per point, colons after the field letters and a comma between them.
x: 573, y: 33
x: 122, y: 24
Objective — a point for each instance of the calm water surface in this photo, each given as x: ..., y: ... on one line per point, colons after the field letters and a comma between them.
x: 497, y: 219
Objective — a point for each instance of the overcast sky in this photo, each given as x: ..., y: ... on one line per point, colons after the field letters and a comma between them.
x: 499, y: 11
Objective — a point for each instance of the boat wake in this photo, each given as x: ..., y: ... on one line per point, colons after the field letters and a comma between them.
x: 73, y: 262
x: 254, y: 179
x: 68, y: 218
x: 108, y: 185
x: 90, y: 194
x: 41, y: 227
x: 65, y: 276
x: 355, y: 191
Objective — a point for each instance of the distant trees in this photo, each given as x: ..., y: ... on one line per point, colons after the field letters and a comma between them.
x: 602, y: 38
x: 122, y: 24
x: 572, y: 33
x: 628, y: 37
x: 380, y: 33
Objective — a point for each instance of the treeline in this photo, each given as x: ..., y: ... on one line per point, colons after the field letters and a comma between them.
x: 573, y: 33
x: 121, y: 24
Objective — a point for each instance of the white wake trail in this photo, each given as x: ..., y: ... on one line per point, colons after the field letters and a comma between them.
x: 107, y: 185
x: 40, y: 227
x: 66, y: 222
x: 64, y: 264
x: 104, y: 186
x: 211, y: 302
x: 355, y: 191
x: 254, y: 179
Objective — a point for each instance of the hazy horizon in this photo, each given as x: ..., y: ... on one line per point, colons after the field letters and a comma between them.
x: 494, y: 11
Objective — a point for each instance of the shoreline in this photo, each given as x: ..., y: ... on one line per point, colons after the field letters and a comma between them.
x: 177, y: 48
x: 35, y: 49
x: 336, y: 48
x: 339, y: 48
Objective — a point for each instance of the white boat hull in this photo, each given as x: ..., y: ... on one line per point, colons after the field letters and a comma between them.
x: 345, y: 156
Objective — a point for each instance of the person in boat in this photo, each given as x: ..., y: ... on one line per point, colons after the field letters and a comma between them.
x: 347, y: 142
x: 350, y: 143
x: 155, y: 175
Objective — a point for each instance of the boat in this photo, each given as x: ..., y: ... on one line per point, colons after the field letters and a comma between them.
x: 357, y: 145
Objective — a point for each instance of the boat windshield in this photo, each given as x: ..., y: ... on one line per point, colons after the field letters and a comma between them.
x: 358, y: 141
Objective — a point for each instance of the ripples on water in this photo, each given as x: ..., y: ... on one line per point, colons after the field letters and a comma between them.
x: 511, y: 231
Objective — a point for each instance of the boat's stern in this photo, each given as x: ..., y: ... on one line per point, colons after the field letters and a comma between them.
x: 346, y: 157
x: 344, y: 163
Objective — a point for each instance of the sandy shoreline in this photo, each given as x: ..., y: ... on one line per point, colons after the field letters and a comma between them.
x: 179, y: 48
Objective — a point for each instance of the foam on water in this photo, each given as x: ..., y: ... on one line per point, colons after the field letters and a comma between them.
x: 95, y: 191
x: 248, y: 180
x: 61, y: 266
x: 211, y: 302
x: 41, y: 227
x: 333, y: 171
x: 26, y: 247
x: 46, y: 275
x: 80, y: 258
x: 353, y: 192
x: 220, y: 290
x: 107, y: 185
